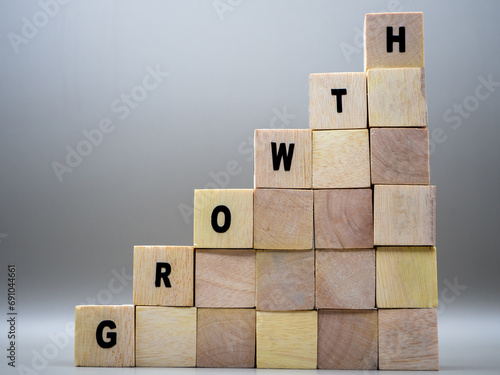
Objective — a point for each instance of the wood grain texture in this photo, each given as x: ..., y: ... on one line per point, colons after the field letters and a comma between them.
x: 347, y: 340
x: 323, y: 113
x: 165, y: 336
x: 225, y: 278
x: 240, y: 232
x: 376, y: 55
x: 283, y: 219
x: 343, y: 219
x: 226, y: 338
x: 341, y: 159
x: 397, y: 98
x: 87, y: 350
x: 345, y: 279
x: 285, y: 280
x: 300, y: 174
x: 287, y: 339
x: 406, y: 277
x: 399, y: 156
x: 408, y: 339
x: 180, y: 292
x: 404, y: 215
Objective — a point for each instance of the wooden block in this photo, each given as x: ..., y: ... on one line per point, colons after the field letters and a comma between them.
x: 345, y: 279
x: 406, y: 277
x: 337, y: 101
x: 397, y: 98
x: 347, y: 340
x: 223, y: 218
x: 163, y: 275
x: 383, y: 46
x: 283, y: 219
x: 165, y: 336
x: 226, y: 338
x: 283, y: 158
x: 404, y: 215
x: 225, y: 278
x: 341, y: 159
x: 287, y: 339
x: 285, y: 280
x: 399, y: 156
x: 408, y: 339
x: 343, y: 219
x: 104, y: 336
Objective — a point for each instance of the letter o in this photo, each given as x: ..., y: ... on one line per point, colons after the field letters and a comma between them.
x: 227, y: 219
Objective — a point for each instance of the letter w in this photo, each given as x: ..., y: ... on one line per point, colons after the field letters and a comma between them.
x: 282, y: 154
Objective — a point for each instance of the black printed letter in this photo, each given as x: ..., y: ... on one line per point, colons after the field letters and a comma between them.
x: 338, y: 93
x: 391, y: 39
x: 110, y: 335
x: 281, y: 154
x: 162, y: 272
x: 227, y: 219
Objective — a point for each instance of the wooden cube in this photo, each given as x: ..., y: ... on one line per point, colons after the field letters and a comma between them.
x: 226, y: 338
x: 343, y: 219
x: 285, y: 280
x: 163, y: 275
x: 406, y: 277
x: 283, y: 219
x: 341, y: 159
x: 384, y: 44
x: 337, y: 101
x: 347, y: 340
x: 225, y: 278
x: 223, y: 218
x: 345, y: 279
x: 104, y: 336
x: 397, y: 98
x: 165, y: 336
x: 399, y: 156
x: 283, y: 158
x: 287, y: 339
x: 404, y: 215
x: 408, y: 339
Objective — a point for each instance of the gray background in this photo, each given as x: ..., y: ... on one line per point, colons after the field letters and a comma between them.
x: 228, y: 74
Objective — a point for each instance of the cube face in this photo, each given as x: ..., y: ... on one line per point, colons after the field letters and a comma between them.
x: 104, y: 336
x: 283, y: 158
x: 341, y: 159
x: 408, y: 339
x: 163, y: 275
x: 337, y: 101
x: 287, y: 339
x: 399, y: 156
x: 226, y: 338
x: 225, y: 278
x: 223, y: 218
x: 165, y: 336
x: 406, y: 277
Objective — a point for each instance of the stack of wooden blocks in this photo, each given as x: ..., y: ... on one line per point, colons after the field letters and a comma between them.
x: 328, y: 263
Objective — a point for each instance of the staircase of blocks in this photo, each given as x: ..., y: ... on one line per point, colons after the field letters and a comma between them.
x: 329, y: 262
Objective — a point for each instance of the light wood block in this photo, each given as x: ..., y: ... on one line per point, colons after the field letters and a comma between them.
x: 325, y: 109
x: 114, y: 326
x: 347, y: 340
x: 345, y: 279
x: 406, y: 277
x: 341, y: 159
x: 343, y: 219
x: 226, y: 338
x: 223, y: 218
x: 287, y: 339
x: 376, y: 35
x: 408, y: 339
x: 397, y: 98
x: 399, y: 156
x: 285, y: 280
x: 169, y: 267
x: 288, y: 163
x: 283, y: 219
x: 165, y: 336
x: 404, y: 215
x: 225, y: 278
